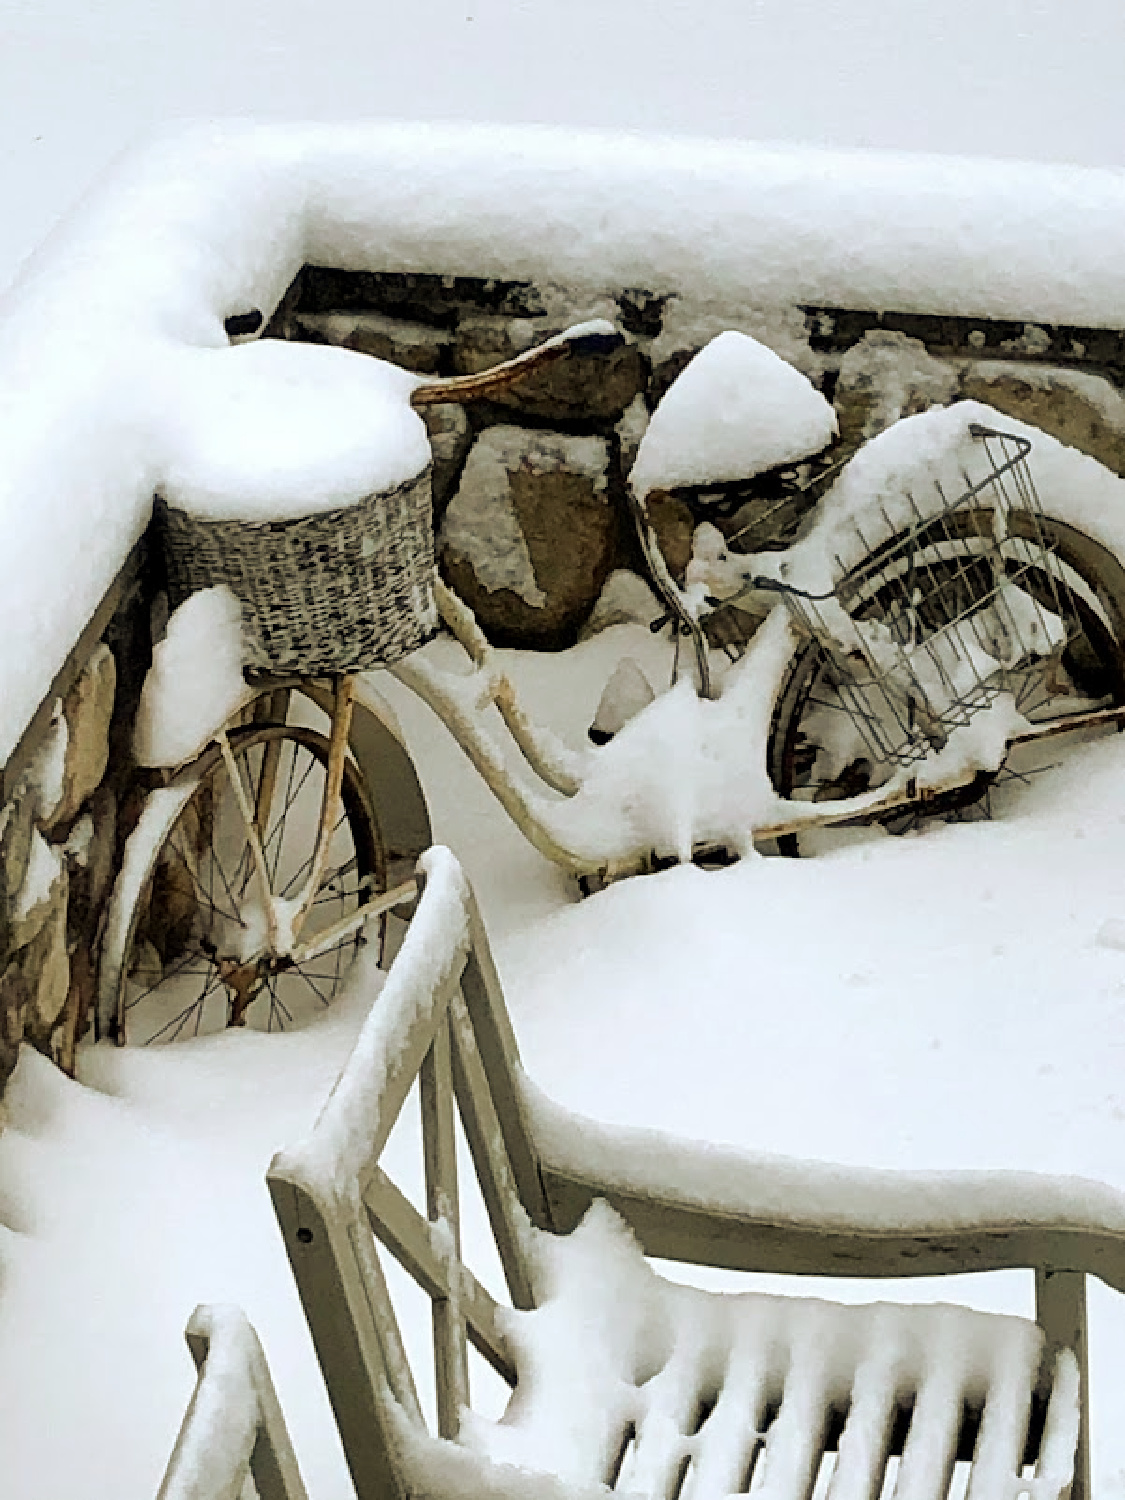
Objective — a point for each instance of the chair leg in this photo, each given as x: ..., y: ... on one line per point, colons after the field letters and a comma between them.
x: 1060, y: 1310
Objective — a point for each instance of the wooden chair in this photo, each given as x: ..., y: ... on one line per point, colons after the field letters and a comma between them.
x: 705, y: 1395
x: 233, y: 1426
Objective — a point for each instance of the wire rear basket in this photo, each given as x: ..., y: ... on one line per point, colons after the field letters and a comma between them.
x: 336, y: 591
x: 950, y: 601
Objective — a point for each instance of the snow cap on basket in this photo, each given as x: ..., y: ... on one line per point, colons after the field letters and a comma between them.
x: 273, y: 430
x: 736, y: 410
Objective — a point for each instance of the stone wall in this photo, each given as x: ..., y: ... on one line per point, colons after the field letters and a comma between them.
x: 528, y: 496
x: 528, y: 489
x: 69, y: 797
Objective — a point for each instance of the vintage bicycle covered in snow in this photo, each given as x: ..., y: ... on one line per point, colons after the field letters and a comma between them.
x: 937, y: 622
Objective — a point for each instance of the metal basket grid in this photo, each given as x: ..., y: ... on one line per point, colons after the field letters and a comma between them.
x: 951, y: 600
x: 338, y: 591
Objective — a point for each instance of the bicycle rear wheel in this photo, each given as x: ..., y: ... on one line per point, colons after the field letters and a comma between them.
x: 821, y: 750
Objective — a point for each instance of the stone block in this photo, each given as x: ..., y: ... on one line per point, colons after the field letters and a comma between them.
x: 884, y: 377
x: 46, y: 966
x: 414, y: 346
x: 450, y: 440
x: 581, y: 388
x: 672, y: 521
x: 17, y: 824
x: 530, y: 536
x: 484, y: 342
x: 1084, y: 411
x: 15, y: 1000
x: 87, y: 710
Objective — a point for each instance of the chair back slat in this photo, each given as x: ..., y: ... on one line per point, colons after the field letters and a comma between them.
x: 867, y: 1438
x: 510, y: 1222
x: 410, y: 1239
x: 500, y: 1059
x: 439, y: 1149
x: 1004, y: 1421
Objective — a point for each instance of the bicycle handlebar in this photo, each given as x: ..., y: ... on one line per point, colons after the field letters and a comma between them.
x: 596, y: 338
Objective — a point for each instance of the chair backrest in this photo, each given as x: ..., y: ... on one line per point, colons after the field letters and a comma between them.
x: 233, y: 1425
x: 440, y: 1020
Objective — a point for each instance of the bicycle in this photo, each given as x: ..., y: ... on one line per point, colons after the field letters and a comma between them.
x: 259, y: 869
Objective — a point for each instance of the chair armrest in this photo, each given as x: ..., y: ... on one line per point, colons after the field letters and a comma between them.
x: 720, y: 1206
x: 234, y: 1425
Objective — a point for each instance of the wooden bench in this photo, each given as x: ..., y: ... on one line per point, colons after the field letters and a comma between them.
x: 671, y: 1393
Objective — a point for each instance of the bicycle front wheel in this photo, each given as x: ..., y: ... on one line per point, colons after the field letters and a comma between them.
x: 197, y: 942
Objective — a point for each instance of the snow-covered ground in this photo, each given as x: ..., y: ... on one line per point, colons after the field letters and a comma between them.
x: 954, y: 998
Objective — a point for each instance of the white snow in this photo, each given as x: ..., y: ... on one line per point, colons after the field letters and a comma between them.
x: 949, y: 1001
x: 617, y: 1364
x: 195, y: 684
x: 790, y: 1191
x: 943, y: 1002
x: 124, y: 303
x: 734, y: 411
x: 271, y: 430
x: 44, y: 866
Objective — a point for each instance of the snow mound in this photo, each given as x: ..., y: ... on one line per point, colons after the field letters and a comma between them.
x: 736, y: 410
x: 273, y: 430
x: 195, y: 683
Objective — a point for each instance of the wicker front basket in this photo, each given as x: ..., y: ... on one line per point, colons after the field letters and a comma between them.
x: 339, y: 591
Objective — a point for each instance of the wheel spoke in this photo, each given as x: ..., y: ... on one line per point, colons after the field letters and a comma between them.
x: 301, y: 974
x: 178, y: 1022
x: 278, y: 831
x: 169, y: 974
x: 205, y: 899
x: 277, y: 1007
x: 307, y: 866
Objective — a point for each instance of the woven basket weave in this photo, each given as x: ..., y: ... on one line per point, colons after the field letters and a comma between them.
x: 339, y: 591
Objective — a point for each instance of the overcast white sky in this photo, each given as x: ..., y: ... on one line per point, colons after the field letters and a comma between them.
x: 80, y: 79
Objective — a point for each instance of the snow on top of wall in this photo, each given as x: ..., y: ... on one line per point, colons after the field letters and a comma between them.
x: 100, y: 329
